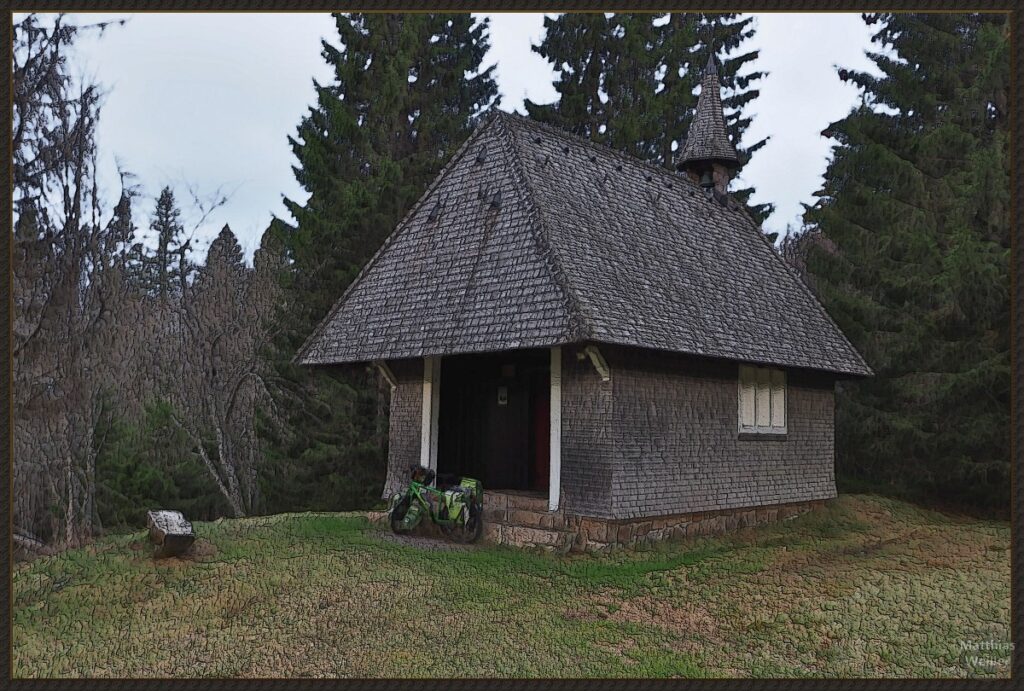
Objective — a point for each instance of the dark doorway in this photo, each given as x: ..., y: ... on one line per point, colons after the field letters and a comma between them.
x: 493, y: 422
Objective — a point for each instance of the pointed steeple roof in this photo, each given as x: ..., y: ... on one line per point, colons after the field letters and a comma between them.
x: 711, y: 67
x: 708, y: 139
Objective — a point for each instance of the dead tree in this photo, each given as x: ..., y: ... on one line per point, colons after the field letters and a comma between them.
x: 65, y: 292
x: 213, y: 370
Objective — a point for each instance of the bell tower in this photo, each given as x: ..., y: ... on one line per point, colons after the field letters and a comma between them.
x: 708, y: 157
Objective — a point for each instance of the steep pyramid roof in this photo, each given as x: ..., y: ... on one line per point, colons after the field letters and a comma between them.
x: 708, y: 139
x: 533, y: 237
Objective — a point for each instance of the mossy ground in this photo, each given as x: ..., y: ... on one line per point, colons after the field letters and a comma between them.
x: 865, y: 587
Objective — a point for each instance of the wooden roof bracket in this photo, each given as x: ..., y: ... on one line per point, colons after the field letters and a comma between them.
x: 386, y: 372
x: 597, y: 360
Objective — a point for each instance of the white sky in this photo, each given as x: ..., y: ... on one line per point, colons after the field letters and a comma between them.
x: 210, y: 98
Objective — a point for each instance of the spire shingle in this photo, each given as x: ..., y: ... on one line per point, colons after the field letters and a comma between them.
x: 708, y: 140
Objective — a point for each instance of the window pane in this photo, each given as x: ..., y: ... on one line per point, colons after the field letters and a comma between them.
x: 763, y: 404
x: 746, y: 373
x: 778, y: 398
x: 747, y: 396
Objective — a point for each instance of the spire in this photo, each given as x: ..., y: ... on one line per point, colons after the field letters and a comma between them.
x: 708, y: 143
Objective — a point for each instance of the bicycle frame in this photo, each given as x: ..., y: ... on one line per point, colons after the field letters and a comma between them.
x: 418, y: 491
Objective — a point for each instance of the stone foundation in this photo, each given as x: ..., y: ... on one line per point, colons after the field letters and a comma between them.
x: 521, y: 520
x: 598, y: 535
x: 524, y: 521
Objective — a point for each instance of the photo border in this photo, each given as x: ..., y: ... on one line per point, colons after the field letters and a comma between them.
x: 1016, y: 351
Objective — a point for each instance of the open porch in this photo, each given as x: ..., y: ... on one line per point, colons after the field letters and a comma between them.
x: 495, y: 417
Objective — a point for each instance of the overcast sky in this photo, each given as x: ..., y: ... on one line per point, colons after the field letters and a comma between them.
x: 209, y: 99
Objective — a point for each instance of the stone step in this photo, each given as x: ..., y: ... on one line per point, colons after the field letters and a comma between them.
x: 522, y: 536
x: 549, y: 520
x: 501, y: 500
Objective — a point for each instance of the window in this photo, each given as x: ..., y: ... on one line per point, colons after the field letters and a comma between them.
x: 762, y: 396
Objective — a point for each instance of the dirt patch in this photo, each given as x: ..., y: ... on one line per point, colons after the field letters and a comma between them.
x: 873, y: 546
x: 423, y: 542
x: 202, y: 550
x: 880, y: 517
x: 583, y: 613
x: 682, y: 620
x: 621, y: 649
x: 377, y: 517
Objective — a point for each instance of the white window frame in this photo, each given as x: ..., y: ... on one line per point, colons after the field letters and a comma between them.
x: 762, y: 384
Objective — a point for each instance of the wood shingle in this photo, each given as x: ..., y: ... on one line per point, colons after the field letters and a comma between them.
x: 543, y: 239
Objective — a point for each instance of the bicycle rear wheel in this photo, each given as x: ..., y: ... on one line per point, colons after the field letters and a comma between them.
x: 469, y: 530
x: 398, y: 516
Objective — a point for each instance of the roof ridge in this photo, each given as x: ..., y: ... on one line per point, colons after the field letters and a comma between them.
x: 402, y: 225
x: 584, y: 328
x: 672, y: 175
x: 618, y: 153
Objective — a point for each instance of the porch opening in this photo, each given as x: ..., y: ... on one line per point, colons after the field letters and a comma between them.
x: 494, y: 419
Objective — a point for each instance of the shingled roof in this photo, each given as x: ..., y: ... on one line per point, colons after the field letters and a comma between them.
x: 707, y: 139
x: 533, y: 237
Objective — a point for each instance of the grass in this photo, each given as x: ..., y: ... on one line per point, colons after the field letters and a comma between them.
x: 866, y: 587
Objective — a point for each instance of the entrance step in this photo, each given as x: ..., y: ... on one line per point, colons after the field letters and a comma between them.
x: 522, y: 519
x: 515, y: 500
x: 546, y: 520
x: 522, y: 536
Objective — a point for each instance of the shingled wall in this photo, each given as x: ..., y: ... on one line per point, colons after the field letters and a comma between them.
x: 405, y: 425
x: 660, y: 437
x: 677, y: 446
x: 588, y: 438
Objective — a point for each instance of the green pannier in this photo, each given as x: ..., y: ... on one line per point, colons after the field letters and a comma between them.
x: 475, y: 487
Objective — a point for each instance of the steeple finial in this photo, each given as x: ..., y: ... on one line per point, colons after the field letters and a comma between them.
x: 708, y: 154
x: 711, y: 67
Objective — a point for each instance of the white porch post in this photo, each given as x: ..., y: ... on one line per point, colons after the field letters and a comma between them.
x: 555, y: 445
x: 431, y: 404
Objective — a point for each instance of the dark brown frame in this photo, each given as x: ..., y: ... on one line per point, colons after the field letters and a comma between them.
x: 1017, y: 297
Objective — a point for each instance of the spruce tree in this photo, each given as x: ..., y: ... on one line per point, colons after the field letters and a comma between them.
x: 167, y: 269
x: 398, y: 108
x: 407, y: 91
x: 909, y: 250
x: 628, y: 80
x: 225, y: 252
x: 579, y: 46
